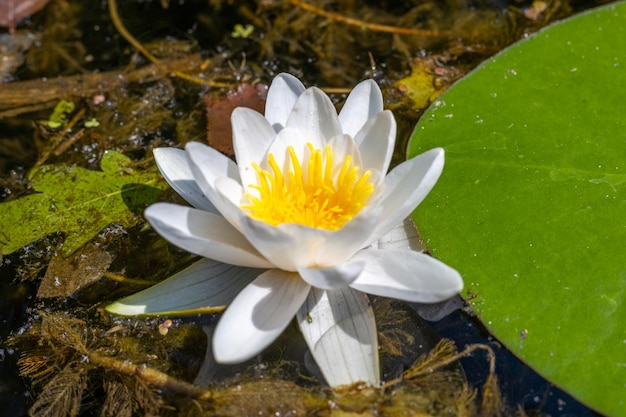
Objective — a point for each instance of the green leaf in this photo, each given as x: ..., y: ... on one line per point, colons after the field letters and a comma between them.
x: 59, y: 114
x: 531, y: 206
x: 78, y: 202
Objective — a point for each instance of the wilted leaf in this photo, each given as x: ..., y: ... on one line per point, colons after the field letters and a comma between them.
x: 78, y: 202
x: 65, y: 276
x: 219, y: 132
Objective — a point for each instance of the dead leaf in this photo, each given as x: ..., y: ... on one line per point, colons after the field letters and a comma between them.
x: 65, y: 276
x: 219, y: 109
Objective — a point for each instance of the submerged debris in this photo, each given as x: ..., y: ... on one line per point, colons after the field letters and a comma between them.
x: 69, y: 358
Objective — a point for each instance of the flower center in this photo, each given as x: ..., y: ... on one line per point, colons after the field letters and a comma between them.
x: 310, y: 194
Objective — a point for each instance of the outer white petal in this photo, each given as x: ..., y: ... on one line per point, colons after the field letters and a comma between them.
x: 174, y: 167
x: 364, y: 101
x: 315, y: 114
x: 376, y: 141
x: 338, y: 276
x: 340, y: 329
x: 258, y: 315
x: 281, y: 97
x: 231, y: 193
x: 207, y: 165
x: 252, y: 136
x: 406, y: 275
x: 206, y: 283
x: 287, y: 246
x: 352, y: 237
x: 204, y: 234
x: 402, y: 236
x: 406, y: 186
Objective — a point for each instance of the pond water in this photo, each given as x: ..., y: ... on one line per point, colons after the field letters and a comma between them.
x: 199, y: 56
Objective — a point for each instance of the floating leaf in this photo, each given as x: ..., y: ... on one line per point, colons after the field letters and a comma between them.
x: 78, y: 202
x: 531, y: 207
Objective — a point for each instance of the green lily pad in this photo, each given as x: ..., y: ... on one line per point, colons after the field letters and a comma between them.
x: 531, y: 206
x: 78, y: 202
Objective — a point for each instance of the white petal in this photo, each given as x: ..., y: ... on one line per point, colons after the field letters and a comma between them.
x: 204, y: 234
x: 402, y: 236
x: 206, y: 283
x: 364, y: 101
x: 208, y: 368
x: 281, y: 97
x: 342, y: 244
x: 174, y: 167
x: 258, y: 315
x: 338, y: 276
x: 437, y: 311
x: 376, y: 141
x: 340, y: 329
x: 315, y: 115
x: 252, y: 136
x: 406, y: 186
x: 207, y: 165
x: 287, y: 246
x: 344, y: 146
x: 297, y: 139
x: 231, y: 193
x: 406, y: 275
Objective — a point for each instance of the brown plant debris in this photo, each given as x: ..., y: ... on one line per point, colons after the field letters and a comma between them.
x: 68, y: 359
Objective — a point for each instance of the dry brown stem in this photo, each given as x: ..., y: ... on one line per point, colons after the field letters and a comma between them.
x: 33, y: 95
x: 117, y: 21
x: 150, y: 376
x: 375, y: 27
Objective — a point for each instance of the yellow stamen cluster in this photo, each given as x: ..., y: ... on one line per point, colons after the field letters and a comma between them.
x: 307, y: 194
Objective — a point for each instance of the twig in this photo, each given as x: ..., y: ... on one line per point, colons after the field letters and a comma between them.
x: 150, y: 376
x: 375, y: 27
x: 34, y: 95
x: 429, y: 369
x: 117, y: 22
x: 122, y: 278
x: 58, y: 145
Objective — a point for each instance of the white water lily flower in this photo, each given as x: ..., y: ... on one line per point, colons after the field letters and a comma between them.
x: 305, y: 201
